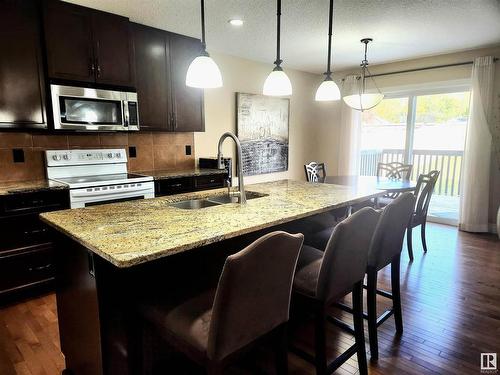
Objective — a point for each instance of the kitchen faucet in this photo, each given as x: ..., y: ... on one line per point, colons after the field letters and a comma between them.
x: 220, y: 163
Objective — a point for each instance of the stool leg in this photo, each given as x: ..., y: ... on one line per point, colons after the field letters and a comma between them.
x: 422, y: 234
x: 396, y: 293
x: 281, y: 350
x: 409, y: 242
x: 359, y: 330
x: 372, y: 312
x: 320, y: 341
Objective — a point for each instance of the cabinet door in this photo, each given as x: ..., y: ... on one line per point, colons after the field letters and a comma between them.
x: 68, y: 34
x: 152, y: 70
x: 187, y: 101
x: 113, y: 50
x: 22, y: 87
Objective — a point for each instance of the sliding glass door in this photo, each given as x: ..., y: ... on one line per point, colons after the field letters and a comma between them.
x: 426, y: 130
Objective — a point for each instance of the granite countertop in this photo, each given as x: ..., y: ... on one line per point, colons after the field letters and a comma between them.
x: 165, y: 175
x: 135, y: 232
x: 19, y: 187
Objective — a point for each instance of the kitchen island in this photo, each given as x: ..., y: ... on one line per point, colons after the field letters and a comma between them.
x: 110, y: 256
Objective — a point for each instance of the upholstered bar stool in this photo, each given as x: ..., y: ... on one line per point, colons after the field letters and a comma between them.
x: 251, y: 302
x: 323, y: 278
x: 385, y: 249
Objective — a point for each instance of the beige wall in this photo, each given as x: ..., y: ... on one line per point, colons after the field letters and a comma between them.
x: 328, y: 128
x: 241, y: 75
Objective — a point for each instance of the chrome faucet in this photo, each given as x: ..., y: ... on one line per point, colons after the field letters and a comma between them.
x: 220, y: 163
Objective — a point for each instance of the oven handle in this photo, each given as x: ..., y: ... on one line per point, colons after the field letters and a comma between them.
x: 106, y: 192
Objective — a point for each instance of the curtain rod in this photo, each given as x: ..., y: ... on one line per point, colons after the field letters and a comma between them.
x: 425, y: 68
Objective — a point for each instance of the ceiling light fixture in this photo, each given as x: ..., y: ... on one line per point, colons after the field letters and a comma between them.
x: 277, y: 82
x: 328, y: 90
x: 236, y: 22
x: 358, y: 99
x: 203, y: 72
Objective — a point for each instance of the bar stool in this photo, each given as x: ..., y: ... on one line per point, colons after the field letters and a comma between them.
x: 323, y: 278
x: 385, y: 249
x: 251, y: 302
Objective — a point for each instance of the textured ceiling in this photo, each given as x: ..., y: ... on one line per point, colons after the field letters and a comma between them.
x: 401, y: 29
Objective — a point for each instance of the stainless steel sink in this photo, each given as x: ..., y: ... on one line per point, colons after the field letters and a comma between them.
x: 194, y: 204
x: 217, y: 200
x: 223, y: 199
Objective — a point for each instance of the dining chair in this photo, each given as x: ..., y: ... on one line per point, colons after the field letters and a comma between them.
x: 315, y: 172
x: 324, y: 277
x: 423, y: 193
x: 392, y: 170
x: 250, y: 303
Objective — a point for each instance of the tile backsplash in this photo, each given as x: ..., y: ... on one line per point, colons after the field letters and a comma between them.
x: 154, y: 151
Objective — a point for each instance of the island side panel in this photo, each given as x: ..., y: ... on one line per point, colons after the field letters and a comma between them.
x: 77, y: 308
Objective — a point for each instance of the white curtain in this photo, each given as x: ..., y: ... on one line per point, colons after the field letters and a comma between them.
x: 474, y: 195
x: 350, y: 135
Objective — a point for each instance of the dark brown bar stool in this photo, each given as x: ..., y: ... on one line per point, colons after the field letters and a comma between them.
x: 423, y: 192
x: 385, y: 249
x: 323, y: 278
x: 251, y: 302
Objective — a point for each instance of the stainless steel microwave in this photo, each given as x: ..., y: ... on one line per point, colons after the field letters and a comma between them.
x: 82, y: 108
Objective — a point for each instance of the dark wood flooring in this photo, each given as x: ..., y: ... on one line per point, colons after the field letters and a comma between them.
x: 451, y: 312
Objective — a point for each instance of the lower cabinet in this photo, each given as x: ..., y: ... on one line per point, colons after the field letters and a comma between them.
x: 180, y: 185
x: 26, y: 250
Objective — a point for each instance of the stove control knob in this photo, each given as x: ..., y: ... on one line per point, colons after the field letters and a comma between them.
x: 67, y: 157
x: 110, y: 155
x: 56, y: 157
x: 118, y: 155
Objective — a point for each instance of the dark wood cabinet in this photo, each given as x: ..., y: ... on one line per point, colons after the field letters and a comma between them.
x: 165, y: 102
x: 22, y: 85
x: 87, y: 45
x: 26, y: 243
x: 187, y: 102
x: 171, y: 186
x: 153, y: 74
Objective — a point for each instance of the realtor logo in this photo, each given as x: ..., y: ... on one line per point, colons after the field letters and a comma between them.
x: 489, y: 363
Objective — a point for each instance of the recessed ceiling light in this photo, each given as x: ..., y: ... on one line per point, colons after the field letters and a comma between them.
x: 236, y: 22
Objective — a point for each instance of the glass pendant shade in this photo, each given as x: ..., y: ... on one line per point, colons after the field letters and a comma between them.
x: 327, y: 91
x: 203, y: 73
x: 363, y: 102
x: 277, y: 83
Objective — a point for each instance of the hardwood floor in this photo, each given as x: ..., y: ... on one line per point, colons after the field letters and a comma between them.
x: 451, y: 313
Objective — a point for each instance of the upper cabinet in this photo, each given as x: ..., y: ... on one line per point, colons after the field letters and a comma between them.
x: 22, y: 87
x: 162, y: 60
x: 187, y: 102
x: 87, y: 45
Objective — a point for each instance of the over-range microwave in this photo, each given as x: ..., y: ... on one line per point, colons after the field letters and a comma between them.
x: 83, y: 108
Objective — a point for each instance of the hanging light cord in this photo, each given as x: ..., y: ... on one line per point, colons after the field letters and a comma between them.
x: 278, y: 37
x: 203, y: 44
x: 330, y: 28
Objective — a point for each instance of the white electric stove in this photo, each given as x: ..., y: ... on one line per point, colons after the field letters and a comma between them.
x: 97, y: 176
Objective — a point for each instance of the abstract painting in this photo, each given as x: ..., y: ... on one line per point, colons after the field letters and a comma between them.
x: 262, y: 125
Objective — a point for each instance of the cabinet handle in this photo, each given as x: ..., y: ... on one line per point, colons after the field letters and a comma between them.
x: 92, y: 67
x: 174, y: 116
x: 176, y: 185
x: 98, y: 68
x: 35, y: 231
x: 40, y: 268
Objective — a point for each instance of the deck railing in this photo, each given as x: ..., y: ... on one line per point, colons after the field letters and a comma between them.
x: 448, y: 162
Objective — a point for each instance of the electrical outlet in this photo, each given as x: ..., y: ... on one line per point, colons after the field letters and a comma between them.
x: 18, y: 155
x: 132, y: 152
x: 188, y: 150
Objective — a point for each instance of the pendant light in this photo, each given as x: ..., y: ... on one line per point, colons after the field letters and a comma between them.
x: 277, y: 82
x: 359, y: 99
x: 203, y: 72
x: 328, y: 90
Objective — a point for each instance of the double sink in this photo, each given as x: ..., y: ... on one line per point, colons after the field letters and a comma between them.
x: 216, y: 200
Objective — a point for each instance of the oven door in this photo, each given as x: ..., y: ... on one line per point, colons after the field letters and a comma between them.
x: 80, y: 108
x: 85, y: 197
